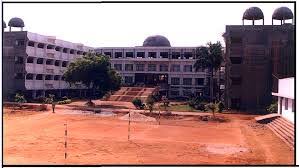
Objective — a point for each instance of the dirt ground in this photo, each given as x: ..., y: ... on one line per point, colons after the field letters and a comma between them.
x: 38, y: 138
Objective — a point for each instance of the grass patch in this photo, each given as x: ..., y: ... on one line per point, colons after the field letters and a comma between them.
x: 180, y: 107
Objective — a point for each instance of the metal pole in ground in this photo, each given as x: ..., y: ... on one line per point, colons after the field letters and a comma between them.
x: 129, y: 125
x: 65, y: 141
x: 159, y: 115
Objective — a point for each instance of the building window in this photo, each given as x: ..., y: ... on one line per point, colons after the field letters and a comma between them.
x: 57, y: 63
x: 57, y: 48
x: 152, y: 67
x: 20, y: 42
x: 64, y: 50
x: 29, y: 76
x: 187, y: 93
x: 19, y: 60
x: 48, y: 77
x: 236, y: 80
x: 175, y: 81
x: 236, y: 40
x: 72, y: 51
x: 139, y: 67
x: 176, y: 55
x: 128, y: 79
x: 129, y: 54
x: 164, y: 54
x: 175, y: 68
x: 40, y: 61
x: 118, y: 54
x: 152, y: 55
x: 175, y: 93
x: 140, y: 54
x: 39, y: 77
x: 199, y: 81
x: 64, y: 63
x: 30, y: 60
x: 188, y: 55
x: 286, y: 103
x: 129, y: 67
x: 235, y: 60
x: 40, y: 45
x: 56, y: 77
x: 188, y: 68
x: 118, y: 67
x: 163, y: 68
x: 49, y: 62
x: 107, y: 54
x: 187, y: 81
x: 19, y: 76
x: 293, y: 105
x: 31, y: 43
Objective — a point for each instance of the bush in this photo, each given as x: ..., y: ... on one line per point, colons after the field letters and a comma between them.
x: 138, y: 103
x: 67, y: 101
x: 220, y: 106
x: 272, y: 108
x: 20, y: 99
x: 197, y: 103
x: 212, y: 107
x: 150, y: 101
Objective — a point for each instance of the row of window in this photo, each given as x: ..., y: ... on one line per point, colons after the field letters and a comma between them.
x: 174, y: 81
x: 31, y: 76
x: 286, y: 105
x: 154, y: 67
x: 172, y: 55
x: 20, y: 60
x: 51, y: 46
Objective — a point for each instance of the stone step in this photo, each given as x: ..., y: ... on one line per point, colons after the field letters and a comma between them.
x: 284, y: 127
x: 286, y: 137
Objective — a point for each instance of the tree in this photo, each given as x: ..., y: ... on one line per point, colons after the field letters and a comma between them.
x: 212, y: 107
x: 210, y: 57
x: 20, y: 99
x: 138, y: 103
x: 150, y: 102
x: 94, y: 72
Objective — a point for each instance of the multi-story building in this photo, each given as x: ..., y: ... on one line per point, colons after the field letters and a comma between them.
x: 157, y: 63
x: 34, y: 64
x: 255, y: 56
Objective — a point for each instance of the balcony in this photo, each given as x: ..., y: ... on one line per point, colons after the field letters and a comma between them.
x: 64, y: 85
x: 57, y: 54
x: 40, y: 52
x: 50, y: 51
x: 64, y: 56
x: 30, y: 51
x: 34, y: 84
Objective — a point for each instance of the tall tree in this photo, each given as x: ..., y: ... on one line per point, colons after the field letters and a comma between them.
x: 94, y: 72
x: 210, y: 57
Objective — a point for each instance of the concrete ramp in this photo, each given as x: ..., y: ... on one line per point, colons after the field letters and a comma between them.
x: 127, y: 94
x: 266, y: 118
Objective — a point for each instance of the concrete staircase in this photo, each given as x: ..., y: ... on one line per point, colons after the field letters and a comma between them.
x: 282, y: 128
x: 127, y: 94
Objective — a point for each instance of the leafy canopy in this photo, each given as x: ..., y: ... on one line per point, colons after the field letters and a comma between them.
x: 209, y: 56
x: 94, y: 72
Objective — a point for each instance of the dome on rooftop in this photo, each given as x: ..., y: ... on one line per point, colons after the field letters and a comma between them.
x: 282, y: 13
x: 16, y: 22
x: 253, y: 13
x: 156, y: 41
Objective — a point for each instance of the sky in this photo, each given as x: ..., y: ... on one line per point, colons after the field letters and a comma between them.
x: 127, y: 25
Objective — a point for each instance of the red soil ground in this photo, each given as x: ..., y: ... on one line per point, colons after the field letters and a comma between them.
x: 38, y: 138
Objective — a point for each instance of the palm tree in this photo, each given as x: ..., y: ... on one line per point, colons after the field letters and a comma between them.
x: 210, y: 57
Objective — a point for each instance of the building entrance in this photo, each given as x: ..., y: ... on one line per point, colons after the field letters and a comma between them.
x: 151, y: 79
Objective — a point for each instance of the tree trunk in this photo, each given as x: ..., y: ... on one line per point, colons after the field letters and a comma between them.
x: 211, y: 85
x: 90, y: 93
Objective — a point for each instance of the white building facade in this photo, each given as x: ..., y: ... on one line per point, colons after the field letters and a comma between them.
x: 286, y: 101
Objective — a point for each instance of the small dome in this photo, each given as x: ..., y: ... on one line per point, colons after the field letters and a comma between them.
x: 253, y: 13
x: 156, y: 41
x: 3, y: 25
x: 282, y: 13
x: 16, y: 22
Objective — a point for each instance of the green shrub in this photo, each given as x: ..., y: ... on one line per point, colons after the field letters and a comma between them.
x: 220, y: 106
x: 212, y: 107
x: 197, y: 103
x: 272, y: 108
x: 150, y: 101
x: 138, y: 103
x: 67, y: 101
x: 20, y: 99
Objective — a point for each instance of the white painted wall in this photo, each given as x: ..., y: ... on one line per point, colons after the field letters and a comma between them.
x: 286, y: 87
x: 289, y: 113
